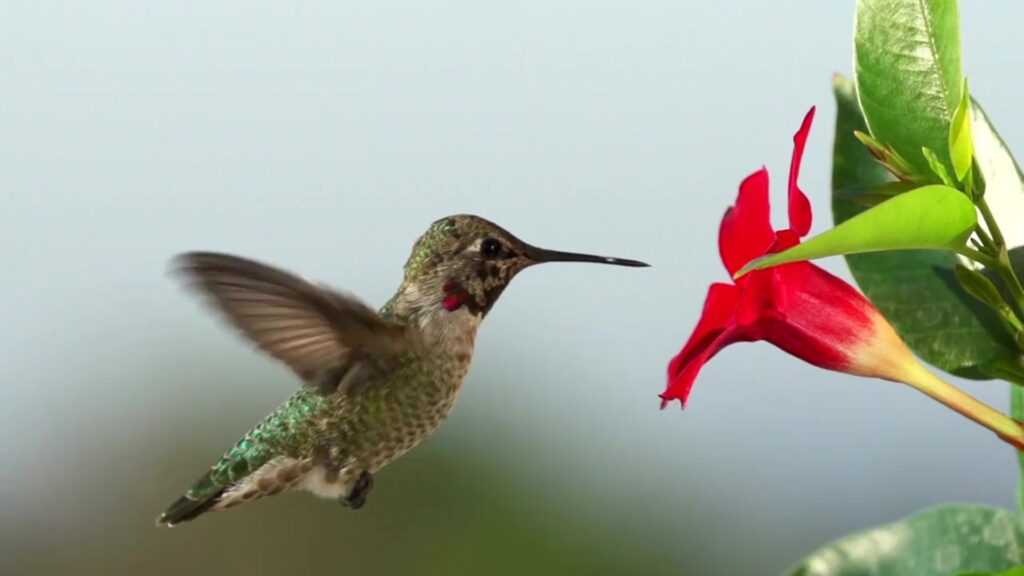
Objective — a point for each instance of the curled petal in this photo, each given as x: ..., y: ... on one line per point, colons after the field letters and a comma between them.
x: 784, y: 240
x: 714, y: 331
x: 746, y: 231
x: 799, y: 205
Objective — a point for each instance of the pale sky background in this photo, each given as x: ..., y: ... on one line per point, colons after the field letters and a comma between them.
x: 325, y: 138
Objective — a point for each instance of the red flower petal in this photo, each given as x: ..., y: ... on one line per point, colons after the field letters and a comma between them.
x: 784, y: 240
x: 760, y: 295
x: 799, y: 205
x: 706, y: 340
x: 746, y: 231
x: 821, y: 318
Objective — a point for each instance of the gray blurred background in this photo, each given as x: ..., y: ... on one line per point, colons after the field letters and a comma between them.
x: 325, y: 138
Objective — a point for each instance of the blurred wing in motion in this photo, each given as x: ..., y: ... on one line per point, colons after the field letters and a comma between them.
x: 314, y: 330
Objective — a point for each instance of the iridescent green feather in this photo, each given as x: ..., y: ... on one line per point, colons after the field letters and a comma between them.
x: 288, y: 431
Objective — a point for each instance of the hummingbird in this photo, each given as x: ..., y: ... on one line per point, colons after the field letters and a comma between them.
x: 374, y: 383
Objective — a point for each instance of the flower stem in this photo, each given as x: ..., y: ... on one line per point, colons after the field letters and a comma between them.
x: 1005, y: 427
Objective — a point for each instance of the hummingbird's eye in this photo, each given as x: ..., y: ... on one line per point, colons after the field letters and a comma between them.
x: 490, y: 247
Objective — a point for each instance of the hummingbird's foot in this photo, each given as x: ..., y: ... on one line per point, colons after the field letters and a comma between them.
x: 360, y: 490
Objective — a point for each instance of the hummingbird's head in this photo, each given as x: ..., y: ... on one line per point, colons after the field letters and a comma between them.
x: 465, y: 262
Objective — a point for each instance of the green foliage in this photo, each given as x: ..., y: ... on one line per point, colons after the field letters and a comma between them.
x: 925, y: 127
x: 909, y: 73
x: 1017, y: 571
x: 951, y: 539
x: 1004, y: 187
x: 936, y: 217
x: 916, y: 290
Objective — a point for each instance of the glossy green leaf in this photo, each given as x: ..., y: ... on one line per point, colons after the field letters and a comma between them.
x: 916, y: 290
x: 908, y: 73
x: 961, y: 146
x: 947, y: 540
x: 930, y: 217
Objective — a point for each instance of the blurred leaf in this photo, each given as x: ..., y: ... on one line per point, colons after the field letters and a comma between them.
x: 908, y: 73
x: 947, y: 540
x: 933, y: 216
x: 961, y: 147
x: 949, y: 329
x: 1018, y: 571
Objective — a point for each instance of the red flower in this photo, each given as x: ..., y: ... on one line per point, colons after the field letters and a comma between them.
x: 798, y: 307
x: 804, y: 310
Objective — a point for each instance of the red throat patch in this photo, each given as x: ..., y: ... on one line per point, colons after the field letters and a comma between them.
x: 454, y: 296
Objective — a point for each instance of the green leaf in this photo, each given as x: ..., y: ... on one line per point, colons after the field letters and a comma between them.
x: 979, y: 286
x: 916, y: 290
x: 1003, y: 179
x: 936, y: 166
x: 961, y: 146
x: 946, y: 540
x: 891, y: 159
x: 929, y: 217
x: 909, y: 73
x: 872, y: 195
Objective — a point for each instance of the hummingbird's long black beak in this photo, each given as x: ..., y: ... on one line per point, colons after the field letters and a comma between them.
x: 541, y: 255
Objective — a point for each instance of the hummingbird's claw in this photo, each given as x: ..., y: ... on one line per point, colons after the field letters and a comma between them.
x: 360, y: 490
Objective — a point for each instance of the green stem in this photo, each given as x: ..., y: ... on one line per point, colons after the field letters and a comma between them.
x: 990, y: 222
x: 986, y: 240
x: 1014, y: 323
x: 962, y: 402
x: 979, y: 257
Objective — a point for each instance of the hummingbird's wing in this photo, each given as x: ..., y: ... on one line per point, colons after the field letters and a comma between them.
x: 312, y: 329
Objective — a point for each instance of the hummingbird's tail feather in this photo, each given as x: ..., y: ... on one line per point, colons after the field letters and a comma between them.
x: 258, y: 464
x: 193, y: 503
